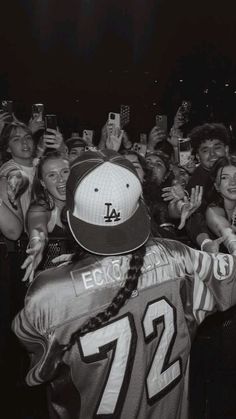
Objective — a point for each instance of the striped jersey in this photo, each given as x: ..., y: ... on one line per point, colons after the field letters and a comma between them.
x: 133, y: 366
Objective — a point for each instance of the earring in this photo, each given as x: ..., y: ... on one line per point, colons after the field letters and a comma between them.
x: 48, y: 198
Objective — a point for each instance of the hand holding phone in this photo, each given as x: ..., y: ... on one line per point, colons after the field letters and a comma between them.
x: 156, y: 135
x: 52, y: 139
x: 185, y: 151
x: 114, y: 138
x: 7, y: 106
x: 114, y: 119
x: 6, y: 112
x: 140, y: 148
x: 88, y: 136
x: 161, y: 122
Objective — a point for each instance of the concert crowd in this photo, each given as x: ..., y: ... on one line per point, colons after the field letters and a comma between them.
x: 188, y: 177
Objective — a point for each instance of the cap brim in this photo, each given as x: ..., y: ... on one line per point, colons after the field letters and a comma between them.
x: 112, y: 240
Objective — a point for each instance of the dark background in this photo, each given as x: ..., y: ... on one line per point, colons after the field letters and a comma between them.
x: 83, y: 58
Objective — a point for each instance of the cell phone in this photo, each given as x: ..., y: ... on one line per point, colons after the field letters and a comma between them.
x: 91, y: 148
x: 88, y: 136
x: 37, y: 111
x: 140, y: 148
x: 186, y: 106
x: 185, y: 110
x: 161, y: 122
x: 185, y: 151
x: 7, y: 106
x: 124, y: 115
x: 143, y: 138
x: 114, y: 118
x: 51, y: 121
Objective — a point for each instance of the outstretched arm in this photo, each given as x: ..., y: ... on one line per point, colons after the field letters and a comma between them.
x: 11, y: 218
x: 37, y: 219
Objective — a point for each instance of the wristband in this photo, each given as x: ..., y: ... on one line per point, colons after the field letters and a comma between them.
x: 167, y: 225
x: 204, y: 242
x: 37, y: 238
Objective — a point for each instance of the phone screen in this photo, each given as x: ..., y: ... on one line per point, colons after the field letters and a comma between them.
x: 161, y: 122
x: 7, y: 106
x: 51, y: 121
x: 185, y: 151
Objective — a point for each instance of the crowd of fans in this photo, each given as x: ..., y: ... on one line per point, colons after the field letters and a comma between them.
x: 194, y: 202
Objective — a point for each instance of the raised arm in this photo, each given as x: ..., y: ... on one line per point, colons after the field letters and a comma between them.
x: 37, y: 219
x: 11, y: 218
x: 221, y: 227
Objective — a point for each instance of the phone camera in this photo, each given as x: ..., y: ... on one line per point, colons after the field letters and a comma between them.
x: 112, y: 116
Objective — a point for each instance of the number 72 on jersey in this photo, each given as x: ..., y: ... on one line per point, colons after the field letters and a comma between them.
x: 120, y: 336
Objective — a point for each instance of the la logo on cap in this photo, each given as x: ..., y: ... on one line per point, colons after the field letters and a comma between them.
x: 111, y: 214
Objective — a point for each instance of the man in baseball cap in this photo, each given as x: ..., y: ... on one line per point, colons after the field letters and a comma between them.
x: 76, y: 145
x: 106, y: 214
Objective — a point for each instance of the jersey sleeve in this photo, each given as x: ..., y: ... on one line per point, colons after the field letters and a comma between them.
x: 214, y: 287
x: 35, y: 342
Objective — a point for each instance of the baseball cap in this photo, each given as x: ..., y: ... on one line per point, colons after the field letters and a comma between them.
x: 105, y: 211
x: 75, y: 141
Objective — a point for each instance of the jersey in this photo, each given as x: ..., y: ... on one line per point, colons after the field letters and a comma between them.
x: 133, y: 366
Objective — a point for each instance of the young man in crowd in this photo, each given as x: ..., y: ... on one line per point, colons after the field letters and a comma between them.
x: 209, y: 142
x: 75, y: 145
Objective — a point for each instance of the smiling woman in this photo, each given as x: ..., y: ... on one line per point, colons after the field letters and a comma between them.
x: 221, y: 214
x: 47, y: 202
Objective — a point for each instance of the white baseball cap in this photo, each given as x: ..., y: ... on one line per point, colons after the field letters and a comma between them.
x: 106, y: 213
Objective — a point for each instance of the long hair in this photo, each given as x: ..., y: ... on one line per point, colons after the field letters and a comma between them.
x: 118, y: 301
x: 219, y: 165
x: 39, y: 194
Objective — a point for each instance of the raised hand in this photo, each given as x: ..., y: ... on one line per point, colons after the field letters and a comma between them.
x: 52, y: 139
x: 17, y: 183
x: 64, y: 259
x: 4, y: 118
x: 173, y: 193
x: 36, y: 125
x: 35, y: 252
x: 114, y: 137
x: 191, y: 205
x: 156, y: 135
x: 212, y: 246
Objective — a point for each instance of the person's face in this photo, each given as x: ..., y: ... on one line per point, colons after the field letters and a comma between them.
x: 158, y: 167
x: 55, y: 173
x: 226, y: 182
x: 75, y: 152
x: 20, y: 144
x: 210, y: 151
x: 190, y: 166
x: 182, y: 176
x: 134, y: 159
